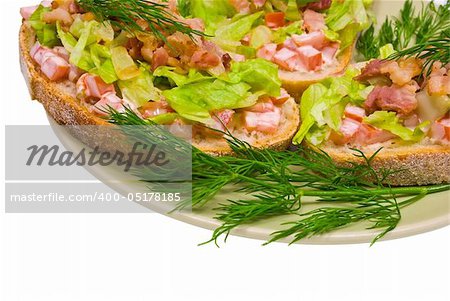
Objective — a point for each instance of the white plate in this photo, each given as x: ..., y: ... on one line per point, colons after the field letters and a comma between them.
x: 431, y: 213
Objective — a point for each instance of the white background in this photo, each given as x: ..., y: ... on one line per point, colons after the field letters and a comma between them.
x: 145, y: 256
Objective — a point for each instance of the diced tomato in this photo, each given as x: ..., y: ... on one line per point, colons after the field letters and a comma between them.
x: 267, y: 51
x: 55, y: 67
x: 262, y: 122
x: 315, y: 39
x: 275, y: 19
x: 354, y: 112
x: 108, y: 100
x: 310, y: 57
x: 27, y: 11
x: 92, y: 86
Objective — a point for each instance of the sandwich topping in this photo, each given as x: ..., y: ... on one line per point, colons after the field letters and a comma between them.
x: 390, y: 102
x: 175, y: 76
x: 300, y: 36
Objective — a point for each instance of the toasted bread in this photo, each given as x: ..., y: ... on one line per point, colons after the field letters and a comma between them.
x: 60, y: 102
x: 422, y: 163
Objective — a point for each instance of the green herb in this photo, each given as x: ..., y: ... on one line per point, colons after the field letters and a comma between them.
x: 276, y: 182
x: 125, y: 13
x: 437, y: 50
x: 412, y: 27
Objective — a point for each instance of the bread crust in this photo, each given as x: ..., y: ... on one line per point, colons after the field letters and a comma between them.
x: 417, y: 164
x: 68, y: 110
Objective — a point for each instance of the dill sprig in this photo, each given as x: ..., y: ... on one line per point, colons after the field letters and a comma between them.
x: 274, y: 184
x: 437, y: 50
x: 125, y: 13
x: 412, y: 27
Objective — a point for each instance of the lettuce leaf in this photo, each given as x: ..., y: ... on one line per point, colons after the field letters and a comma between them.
x: 348, y: 19
x: 235, y: 31
x: 281, y: 34
x: 322, y: 105
x: 389, y: 121
x: 195, y: 101
x: 46, y: 33
x: 211, y: 12
x: 140, y: 89
x: 180, y: 79
x: 260, y: 74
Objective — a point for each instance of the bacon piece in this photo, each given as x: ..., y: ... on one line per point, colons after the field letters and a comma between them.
x: 401, y: 72
x: 242, y: 6
x: 262, y: 122
x: 55, y: 67
x: 92, y: 86
x: 411, y: 121
x: 371, y: 70
x: 75, y: 73
x: 313, y: 21
x: 259, y: 3
x: 315, y: 39
x: 347, y: 131
x: 37, y: 52
x: 204, y: 60
x: 267, y: 51
x: 329, y: 53
x: 310, y: 57
x: 354, y: 112
x: 61, y: 52
x: 368, y: 134
x: 289, y: 44
x: 284, y: 96
x: 27, y: 11
x: 440, y: 129
x: 320, y: 5
x: 262, y: 107
x: 195, y: 23
x: 180, y: 44
x: 219, y: 122
x: 439, y: 85
x: 58, y: 14
x: 160, y: 58
x: 394, y: 98
x: 288, y: 59
x: 108, y: 100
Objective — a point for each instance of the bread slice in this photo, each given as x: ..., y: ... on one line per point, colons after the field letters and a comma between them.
x: 296, y: 82
x: 60, y: 102
x: 423, y: 163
